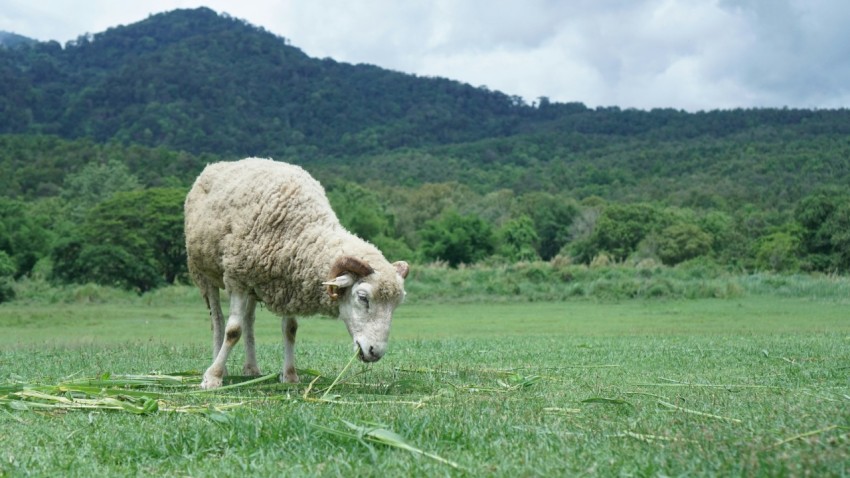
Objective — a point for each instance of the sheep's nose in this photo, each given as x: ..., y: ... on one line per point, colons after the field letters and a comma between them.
x: 370, y: 353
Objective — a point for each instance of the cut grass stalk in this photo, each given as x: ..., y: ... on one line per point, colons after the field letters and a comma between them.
x: 666, y: 382
x: 608, y: 401
x: 30, y: 399
x: 324, y: 398
x: 135, y: 381
x: 804, y: 435
x: 13, y: 417
x: 561, y: 410
x: 374, y: 433
x: 264, y: 378
x: 338, y: 377
x: 698, y: 413
x: 648, y: 395
x: 644, y: 437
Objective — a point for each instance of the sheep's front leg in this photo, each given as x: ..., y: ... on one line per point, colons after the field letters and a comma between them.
x: 289, y: 326
x: 232, y: 332
x: 250, y: 367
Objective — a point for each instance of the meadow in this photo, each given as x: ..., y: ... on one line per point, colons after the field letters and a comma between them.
x: 756, y: 383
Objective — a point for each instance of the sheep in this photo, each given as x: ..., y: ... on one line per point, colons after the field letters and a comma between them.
x: 265, y: 232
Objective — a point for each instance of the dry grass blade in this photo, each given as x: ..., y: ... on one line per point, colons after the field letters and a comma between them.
x: 805, y: 435
x: 698, y: 413
x: 644, y: 437
x: 608, y: 401
x: 669, y: 382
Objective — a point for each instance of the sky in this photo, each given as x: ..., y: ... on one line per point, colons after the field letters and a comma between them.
x: 684, y: 54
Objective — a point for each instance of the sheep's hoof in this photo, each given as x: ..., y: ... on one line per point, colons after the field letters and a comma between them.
x: 251, y: 370
x: 289, y: 377
x: 210, y: 382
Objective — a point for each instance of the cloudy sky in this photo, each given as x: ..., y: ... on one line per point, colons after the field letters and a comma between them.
x: 687, y: 54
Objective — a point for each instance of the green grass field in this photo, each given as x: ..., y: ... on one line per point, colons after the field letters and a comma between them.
x: 750, y: 386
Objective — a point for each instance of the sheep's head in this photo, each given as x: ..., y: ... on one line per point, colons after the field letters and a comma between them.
x: 367, y: 298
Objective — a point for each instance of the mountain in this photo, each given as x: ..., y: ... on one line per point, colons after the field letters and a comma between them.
x: 216, y: 87
x: 203, y: 82
x: 11, y: 40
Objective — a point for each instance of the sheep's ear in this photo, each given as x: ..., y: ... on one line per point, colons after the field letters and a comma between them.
x: 341, y: 282
x: 401, y: 268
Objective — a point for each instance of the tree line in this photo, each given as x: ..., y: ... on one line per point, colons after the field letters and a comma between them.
x: 107, y: 226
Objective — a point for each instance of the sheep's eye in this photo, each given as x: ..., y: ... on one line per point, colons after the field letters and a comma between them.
x: 363, y: 297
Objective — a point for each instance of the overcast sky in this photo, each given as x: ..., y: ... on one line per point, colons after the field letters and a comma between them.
x: 688, y: 54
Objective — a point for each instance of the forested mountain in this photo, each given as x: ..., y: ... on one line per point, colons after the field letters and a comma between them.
x: 202, y: 82
x: 100, y: 139
x: 10, y: 40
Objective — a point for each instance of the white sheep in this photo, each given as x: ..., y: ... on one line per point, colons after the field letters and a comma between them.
x: 265, y: 231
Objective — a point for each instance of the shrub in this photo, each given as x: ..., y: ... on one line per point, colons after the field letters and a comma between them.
x: 457, y: 239
x: 680, y: 242
x: 778, y: 252
x: 7, y: 277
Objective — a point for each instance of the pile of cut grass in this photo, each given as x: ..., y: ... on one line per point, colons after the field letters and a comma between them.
x: 179, y: 393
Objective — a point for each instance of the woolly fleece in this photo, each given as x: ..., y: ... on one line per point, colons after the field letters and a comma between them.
x: 266, y: 228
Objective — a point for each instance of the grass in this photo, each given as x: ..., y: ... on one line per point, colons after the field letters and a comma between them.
x: 755, y: 385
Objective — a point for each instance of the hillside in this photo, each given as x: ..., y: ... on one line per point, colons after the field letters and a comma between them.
x: 205, y: 83
x: 12, y: 40
x: 101, y: 137
x: 202, y: 82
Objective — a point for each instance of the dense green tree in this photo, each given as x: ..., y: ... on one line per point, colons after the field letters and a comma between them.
x: 552, y: 216
x: 7, y: 277
x: 778, y: 252
x: 516, y: 240
x: 618, y: 231
x: 681, y: 242
x: 96, y: 182
x: 132, y: 240
x: 22, y: 238
x: 360, y: 210
x: 65, y: 257
x: 839, y: 227
x: 825, y: 219
x: 412, y: 208
x: 457, y: 239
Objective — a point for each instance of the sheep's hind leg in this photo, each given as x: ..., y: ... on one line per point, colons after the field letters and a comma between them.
x: 250, y: 367
x: 289, y: 326
x: 211, y: 295
x: 232, y: 332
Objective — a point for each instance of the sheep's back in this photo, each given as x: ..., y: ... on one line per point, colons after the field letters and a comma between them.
x: 243, y: 216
